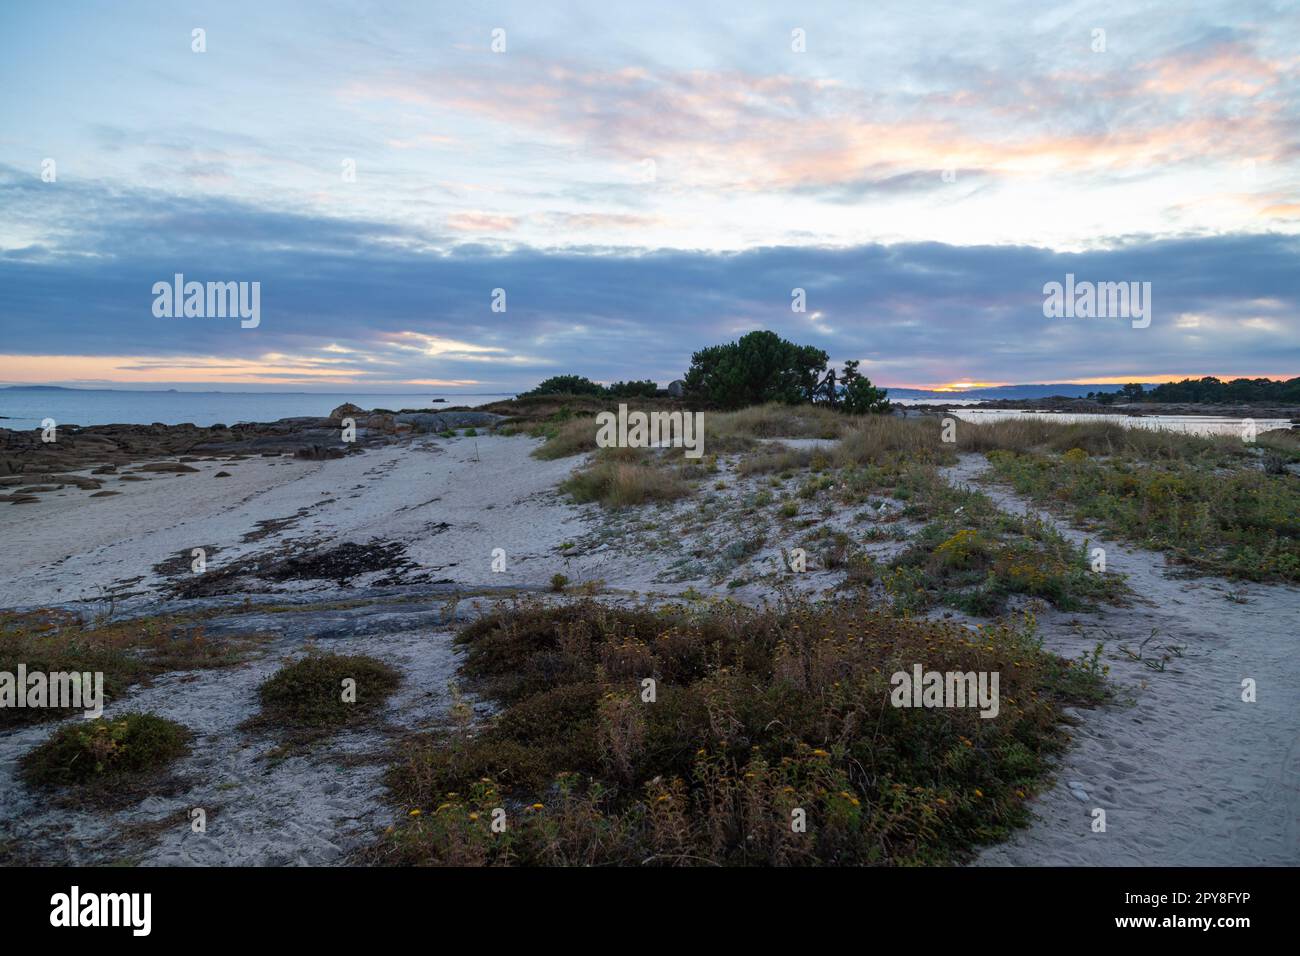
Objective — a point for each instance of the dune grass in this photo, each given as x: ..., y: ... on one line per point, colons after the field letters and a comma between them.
x: 866, y: 439
x: 572, y: 430
x: 623, y: 477
x: 106, y: 752
x: 126, y: 652
x: 1238, y: 521
x: 755, y: 715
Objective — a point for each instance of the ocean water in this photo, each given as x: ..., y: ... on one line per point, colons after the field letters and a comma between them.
x: 25, y: 408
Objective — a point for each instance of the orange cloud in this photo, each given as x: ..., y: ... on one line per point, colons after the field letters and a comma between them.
x: 481, y: 222
x: 732, y: 130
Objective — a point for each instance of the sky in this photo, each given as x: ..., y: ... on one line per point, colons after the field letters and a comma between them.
x: 641, y: 181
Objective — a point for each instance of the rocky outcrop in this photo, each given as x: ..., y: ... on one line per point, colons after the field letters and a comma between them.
x: 442, y: 421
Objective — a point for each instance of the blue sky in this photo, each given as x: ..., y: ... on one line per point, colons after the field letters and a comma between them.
x: 644, y: 180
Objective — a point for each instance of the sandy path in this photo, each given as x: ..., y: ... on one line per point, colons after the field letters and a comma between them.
x: 1187, y: 773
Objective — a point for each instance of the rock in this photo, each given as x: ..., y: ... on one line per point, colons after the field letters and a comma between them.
x: 318, y: 453
x: 105, y: 470
x: 85, y: 484
x: 19, y: 499
x: 347, y: 410
x: 170, y: 466
x: 222, y: 474
x: 105, y: 494
x: 442, y: 421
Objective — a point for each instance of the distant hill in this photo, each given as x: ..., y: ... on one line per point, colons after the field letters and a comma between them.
x: 1005, y: 391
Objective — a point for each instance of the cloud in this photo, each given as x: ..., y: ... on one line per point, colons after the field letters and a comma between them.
x: 359, y: 301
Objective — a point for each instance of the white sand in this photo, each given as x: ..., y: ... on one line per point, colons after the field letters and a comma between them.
x: 1186, y: 772
x: 488, y: 489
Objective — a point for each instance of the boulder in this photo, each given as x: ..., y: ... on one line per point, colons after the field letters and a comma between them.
x: 173, y: 466
x: 347, y: 410
x: 318, y: 453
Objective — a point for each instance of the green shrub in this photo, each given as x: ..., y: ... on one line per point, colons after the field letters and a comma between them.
x: 106, y: 750
x: 310, y: 697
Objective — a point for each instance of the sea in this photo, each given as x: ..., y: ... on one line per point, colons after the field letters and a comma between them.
x: 26, y: 408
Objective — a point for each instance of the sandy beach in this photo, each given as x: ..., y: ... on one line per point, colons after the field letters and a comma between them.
x: 1186, y: 772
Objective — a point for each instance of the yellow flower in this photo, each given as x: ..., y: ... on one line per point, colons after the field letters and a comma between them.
x: 537, y: 806
x: 820, y: 753
x: 979, y: 792
x: 415, y: 812
x: 473, y: 816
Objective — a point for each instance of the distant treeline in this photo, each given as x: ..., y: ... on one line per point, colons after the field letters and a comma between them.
x: 759, y: 367
x: 1208, y: 390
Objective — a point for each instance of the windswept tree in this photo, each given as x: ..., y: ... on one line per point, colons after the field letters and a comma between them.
x: 759, y: 367
x: 860, y: 397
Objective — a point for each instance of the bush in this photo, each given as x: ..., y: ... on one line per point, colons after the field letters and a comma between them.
x: 567, y: 385
x: 643, y: 389
x: 756, y: 713
x: 307, y: 696
x: 106, y: 750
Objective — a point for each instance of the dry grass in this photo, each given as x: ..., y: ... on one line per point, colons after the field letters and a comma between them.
x: 573, y: 437
x: 621, y: 477
x: 126, y: 652
x: 736, y: 431
x: 774, y: 458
